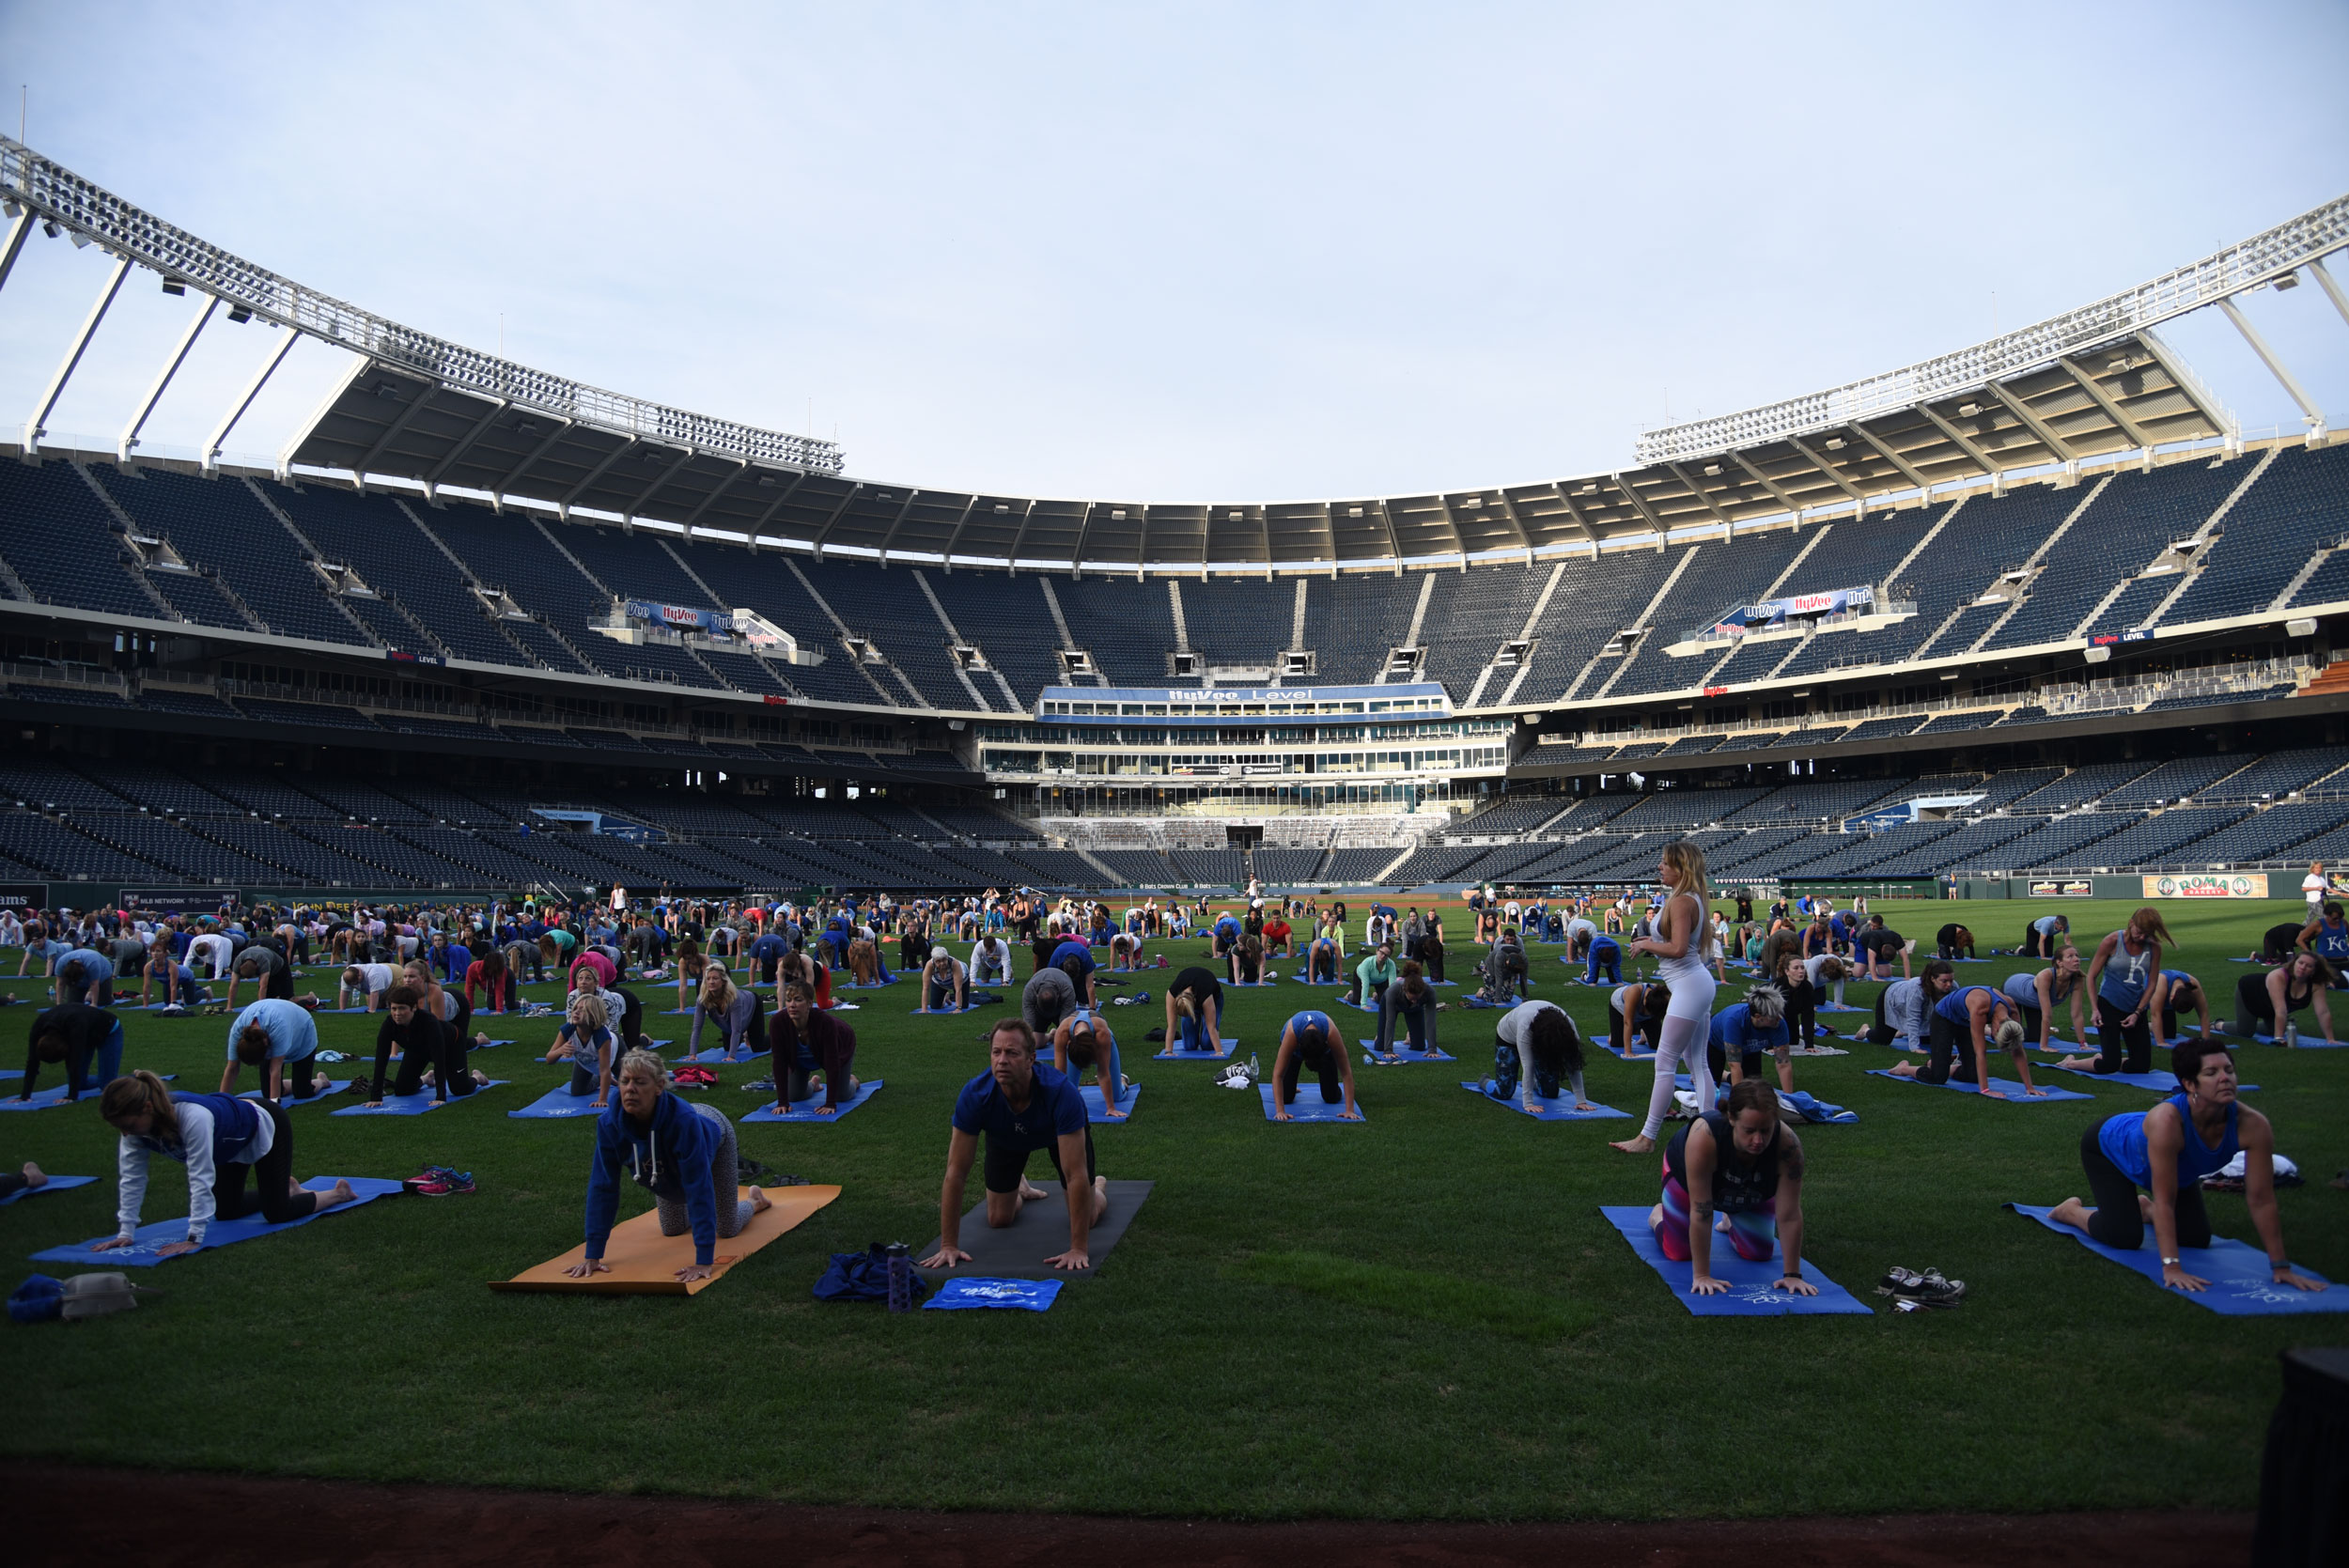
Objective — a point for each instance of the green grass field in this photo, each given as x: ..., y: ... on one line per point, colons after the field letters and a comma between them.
x: 1421, y: 1316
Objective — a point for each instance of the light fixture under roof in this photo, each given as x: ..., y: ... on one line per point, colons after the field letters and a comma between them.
x: 1712, y: 471
x: 1001, y: 509
x: 1967, y: 410
x: 1117, y: 514
x: 1353, y: 511
x: 1835, y: 444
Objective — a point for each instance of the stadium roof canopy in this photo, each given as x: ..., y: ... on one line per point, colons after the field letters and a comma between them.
x: 2089, y: 383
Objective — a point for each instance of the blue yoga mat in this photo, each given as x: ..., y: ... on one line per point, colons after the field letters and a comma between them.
x: 2306, y: 1044
x: 491, y: 1045
x: 1250, y: 984
x: 1559, y: 1110
x: 1750, y: 1293
x: 1310, y: 1106
x: 852, y: 985
x: 1607, y: 1046
x: 714, y: 1054
x: 220, y: 1232
x: 1349, y: 1002
x: 416, y: 1104
x: 54, y: 1184
x: 804, y: 1110
x: 1097, y: 1108
x: 1176, y: 1053
x: 1838, y: 1007
x: 2012, y: 1090
x: 2160, y: 1084
x: 969, y: 1293
x: 2240, y: 1282
x: 54, y: 1094
x: 946, y: 1012
x: 334, y: 1086
x: 1407, y: 1053
x: 559, y: 1105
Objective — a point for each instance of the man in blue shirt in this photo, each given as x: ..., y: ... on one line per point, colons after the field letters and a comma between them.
x: 1019, y: 1106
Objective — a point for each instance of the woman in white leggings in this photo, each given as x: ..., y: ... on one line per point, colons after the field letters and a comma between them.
x: 1684, y: 936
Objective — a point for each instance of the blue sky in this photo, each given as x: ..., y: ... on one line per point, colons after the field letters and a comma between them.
x: 1208, y: 253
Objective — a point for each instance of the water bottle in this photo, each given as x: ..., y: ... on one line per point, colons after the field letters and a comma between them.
x: 1255, y: 1074
x: 900, y: 1276
x: 2291, y: 1033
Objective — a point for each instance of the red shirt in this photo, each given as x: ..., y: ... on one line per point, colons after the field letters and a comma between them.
x: 1278, y: 931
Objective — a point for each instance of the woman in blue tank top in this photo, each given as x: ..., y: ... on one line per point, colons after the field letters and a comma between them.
x: 2328, y: 937
x: 2168, y: 1151
x: 2121, y: 977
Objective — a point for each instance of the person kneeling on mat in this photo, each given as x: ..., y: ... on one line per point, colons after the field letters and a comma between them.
x: 1964, y: 1025
x: 1744, y: 1166
x: 2175, y: 989
x: 222, y: 1141
x: 945, y: 983
x: 682, y: 1151
x: 1635, y: 1012
x: 2264, y: 1003
x: 281, y: 1039
x: 430, y: 1052
x: 1742, y: 1030
x: 1310, y: 1040
x: 803, y: 1040
x: 88, y: 1040
x: 1019, y: 1106
x: 588, y: 1043
x: 1086, y: 1041
x: 1194, y: 1010
x: 2168, y: 1151
x: 1904, y: 1006
x: 1953, y: 940
x: 1537, y: 1050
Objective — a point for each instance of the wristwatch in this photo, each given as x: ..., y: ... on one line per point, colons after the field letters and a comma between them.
x: 2172, y: 1262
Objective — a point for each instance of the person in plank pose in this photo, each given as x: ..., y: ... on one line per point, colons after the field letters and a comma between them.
x: 683, y: 1152
x: 1310, y: 1040
x: 1745, y: 1166
x: 2168, y: 1151
x: 223, y: 1143
x: 1019, y: 1106
x: 1537, y: 1051
x: 803, y: 1040
x: 1683, y: 932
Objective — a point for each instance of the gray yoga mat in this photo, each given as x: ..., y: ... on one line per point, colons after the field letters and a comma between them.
x: 1018, y: 1250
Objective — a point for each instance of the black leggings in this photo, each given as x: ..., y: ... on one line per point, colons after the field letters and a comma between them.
x: 2255, y: 1009
x: 1007, y: 1165
x: 1325, y: 1067
x: 2112, y: 1038
x: 450, y: 1075
x: 1880, y: 1033
x: 271, y: 1176
x: 2118, y: 1222
x: 1950, y: 1054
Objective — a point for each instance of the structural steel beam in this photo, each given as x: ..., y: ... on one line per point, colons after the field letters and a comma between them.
x: 1768, y: 484
x: 741, y: 466
x: 497, y: 491
x: 1959, y: 440
x: 563, y: 507
x: 464, y: 444
x: 219, y: 437
x: 73, y: 353
x: 2276, y: 367
x: 2057, y: 446
x: 129, y: 437
x: 1884, y: 449
x: 2122, y: 422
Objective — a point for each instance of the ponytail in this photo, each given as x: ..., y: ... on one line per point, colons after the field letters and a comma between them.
x: 142, y: 1090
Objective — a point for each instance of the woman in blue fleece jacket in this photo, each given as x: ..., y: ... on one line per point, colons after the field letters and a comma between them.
x: 682, y: 1151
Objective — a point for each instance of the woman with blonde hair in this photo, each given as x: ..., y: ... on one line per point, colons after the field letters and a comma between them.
x: 222, y: 1140
x: 739, y: 1013
x: 1684, y: 934
x: 592, y: 1047
x: 684, y: 1153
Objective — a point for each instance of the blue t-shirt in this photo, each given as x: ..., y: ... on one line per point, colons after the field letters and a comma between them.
x: 95, y: 967
x: 2177, y: 979
x: 1227, y: 928
x: 293, y: 1033
x: 1054, y: 1108
x: 1079, y: 950
x: 2122, y: 1140
x: 1300, y: 1022
x: 1952, y: 1007
x: 1734, y: 1029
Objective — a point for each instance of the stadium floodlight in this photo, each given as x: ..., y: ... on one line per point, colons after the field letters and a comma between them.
x: 174, y: 287
x: 2302, y: 626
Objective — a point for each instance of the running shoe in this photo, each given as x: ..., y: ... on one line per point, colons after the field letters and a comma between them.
x: 439, y: 1181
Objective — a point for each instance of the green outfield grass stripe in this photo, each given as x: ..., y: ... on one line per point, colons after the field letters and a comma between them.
x: 1446, y: 1298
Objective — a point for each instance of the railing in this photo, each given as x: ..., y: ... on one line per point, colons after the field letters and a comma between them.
x: 63, y: 675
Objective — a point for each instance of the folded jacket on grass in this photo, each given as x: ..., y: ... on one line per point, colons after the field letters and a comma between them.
x: 334, y: 1086
x: 1310, y: 1106
x: 1176, y: 1053
x: 418, y: 1103
x: 1407, y: 1054
x: 2160, y: 1084
x: 971, y: 1292
x: 54, y: 1094
x: 2012, y: 1090
x: 640, y: 1261
x: 157, y: 1234
x: 1097, y: 1108
x: 1559, y: 1110
x: 1751, y: 1293
x: 560, y: 1103
x: 1018, y: 1250
x: 54, y: 1184
x: 2241, y: 1284
x: 804, y: 1110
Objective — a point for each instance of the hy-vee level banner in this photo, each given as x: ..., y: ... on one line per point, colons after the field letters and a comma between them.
x: 1773, y: 613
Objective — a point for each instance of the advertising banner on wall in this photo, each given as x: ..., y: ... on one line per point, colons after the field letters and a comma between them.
x: 2243, y: 884
x: 180, y: 901
x: 24, y: 895
x: 2077, y: 887
x: 677, y: 618
x: 1773, y: 613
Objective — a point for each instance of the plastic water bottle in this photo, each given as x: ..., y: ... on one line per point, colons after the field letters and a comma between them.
x: 1255, y: 1074
x: 900, y: 1276
x: 2291, y: 1033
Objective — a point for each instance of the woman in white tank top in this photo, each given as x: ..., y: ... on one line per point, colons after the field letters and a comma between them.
x: 1682, y: 946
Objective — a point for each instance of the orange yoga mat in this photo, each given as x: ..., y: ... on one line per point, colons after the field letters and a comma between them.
x: 644, y: 1263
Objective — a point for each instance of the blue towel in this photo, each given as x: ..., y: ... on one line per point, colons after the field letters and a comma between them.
x: 559, y: 1104
x: 334, y: 1086
x: 2160, y: 1084
x: 1559, y: 1110
x: 1750, y: 1293
x: 1407, y: 1053
x: 416, y: 1104
x: 970, y: 1292
x: 2241, y: 1284
x: 2306, y: 1044
x: 1097, y: 1108
x: 1174, y: 1052
x: 2012, y: 1090
x: 946, y: 1012
x: 54, y: 1184
x: 804, y: 1110
x: 1309, y: 1106
x: 54, y: 1094
x: 1812, y: 1109
x: 220, y: 1232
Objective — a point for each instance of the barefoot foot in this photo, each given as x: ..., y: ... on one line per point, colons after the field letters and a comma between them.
x: 34, y: 1175
x: 1639, y: 1145
x: 760, y: 1203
